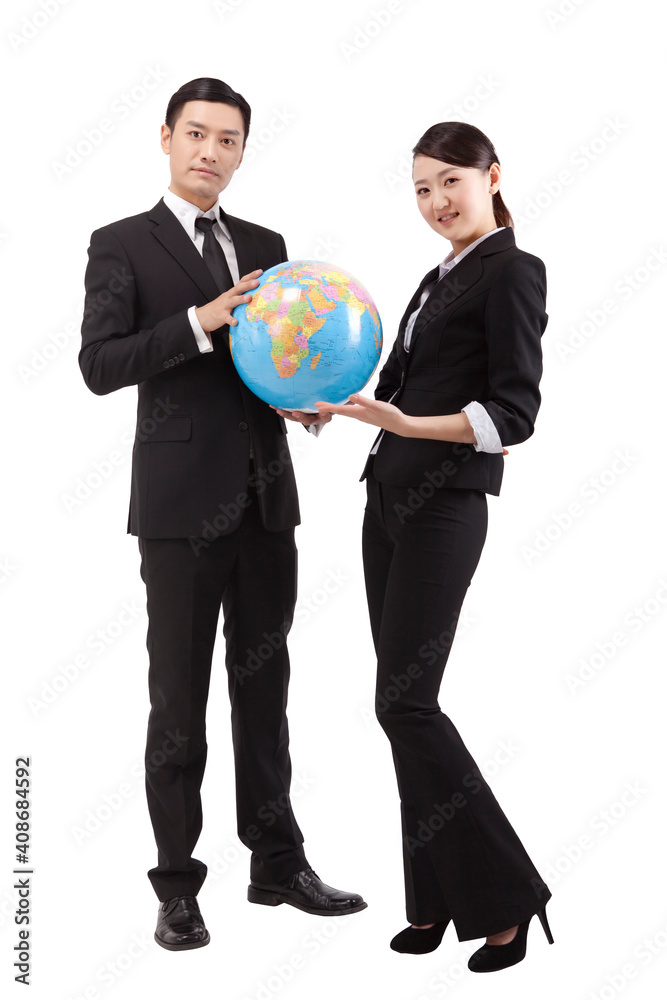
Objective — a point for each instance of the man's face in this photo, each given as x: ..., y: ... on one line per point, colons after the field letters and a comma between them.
x: 205, y: 148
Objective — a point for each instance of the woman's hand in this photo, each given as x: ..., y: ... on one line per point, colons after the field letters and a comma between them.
x: 370, y: 411
x: 451, y: 427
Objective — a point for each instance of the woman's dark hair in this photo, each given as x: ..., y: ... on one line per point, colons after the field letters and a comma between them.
x: 464, y: 146
x: 206, y: 88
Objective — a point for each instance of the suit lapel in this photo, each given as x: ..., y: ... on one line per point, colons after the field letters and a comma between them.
x: 244, y: 243
x: 175, y: 240
x: 412, y: 305
x: 461, y: 278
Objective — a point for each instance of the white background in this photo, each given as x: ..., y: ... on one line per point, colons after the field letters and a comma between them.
x: 338, y: 101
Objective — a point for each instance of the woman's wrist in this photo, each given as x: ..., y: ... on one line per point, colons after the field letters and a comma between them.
x: 454, y: 427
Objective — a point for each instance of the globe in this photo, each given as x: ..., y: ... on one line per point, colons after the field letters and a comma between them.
x: 311, y: 332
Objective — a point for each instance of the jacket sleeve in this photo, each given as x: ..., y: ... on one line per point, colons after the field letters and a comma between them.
x: 115, y: 352
x: 515, y: 320
x: 390, y: 376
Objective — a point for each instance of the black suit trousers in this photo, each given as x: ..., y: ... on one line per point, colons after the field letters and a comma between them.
x: 251, y: 573
x: 462, y: 858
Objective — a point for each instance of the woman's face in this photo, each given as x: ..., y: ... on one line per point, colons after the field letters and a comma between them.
x: 456, y: 201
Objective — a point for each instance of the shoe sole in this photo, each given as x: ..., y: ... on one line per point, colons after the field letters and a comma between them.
x: 268, y: 898
x: 182, y: 947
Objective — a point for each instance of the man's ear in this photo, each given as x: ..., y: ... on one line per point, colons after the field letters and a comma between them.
x: 165, y: 138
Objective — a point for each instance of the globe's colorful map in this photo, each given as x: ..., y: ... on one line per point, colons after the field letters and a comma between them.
x: 310, y: 332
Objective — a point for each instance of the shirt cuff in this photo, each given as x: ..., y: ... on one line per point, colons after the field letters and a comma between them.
x: 314, y: 428
x: 486, y: 434
x: 203, y: 343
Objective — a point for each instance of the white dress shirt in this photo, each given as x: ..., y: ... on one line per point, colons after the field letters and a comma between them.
x: 187, y: 214
x: 484, y: 429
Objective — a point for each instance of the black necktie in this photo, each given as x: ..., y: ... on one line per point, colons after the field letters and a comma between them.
x: 214, y: 256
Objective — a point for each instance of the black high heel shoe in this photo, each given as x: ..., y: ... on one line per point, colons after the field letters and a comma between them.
x: 419, y: 940
x: 491, y: 957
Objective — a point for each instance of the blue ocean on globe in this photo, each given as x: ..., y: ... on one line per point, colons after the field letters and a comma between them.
x: 311, y: 332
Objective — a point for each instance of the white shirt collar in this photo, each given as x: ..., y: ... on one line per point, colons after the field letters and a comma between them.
x: 187, y: 213
x: 450, y: 260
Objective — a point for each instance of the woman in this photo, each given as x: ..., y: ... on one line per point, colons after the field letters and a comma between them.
x: 460, y: 383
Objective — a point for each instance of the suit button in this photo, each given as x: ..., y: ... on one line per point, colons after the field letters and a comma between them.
x: 165, y: 364
x: 243, y: 426
x: 181, y: 357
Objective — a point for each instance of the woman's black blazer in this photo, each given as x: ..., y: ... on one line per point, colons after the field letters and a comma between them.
x: 477, y: 337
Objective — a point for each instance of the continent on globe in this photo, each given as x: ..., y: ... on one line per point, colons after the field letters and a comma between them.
x: 306, y: 311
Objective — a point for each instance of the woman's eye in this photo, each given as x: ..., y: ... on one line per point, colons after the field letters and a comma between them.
x: 451, y: 179
x: 419, y: 190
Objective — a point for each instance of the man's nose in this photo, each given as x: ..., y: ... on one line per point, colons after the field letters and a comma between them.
x: 208, y: 150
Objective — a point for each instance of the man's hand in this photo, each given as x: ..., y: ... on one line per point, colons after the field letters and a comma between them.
x: 307, y: 419
x: 218, y: 311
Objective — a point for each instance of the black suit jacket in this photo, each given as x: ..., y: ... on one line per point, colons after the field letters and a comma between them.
x: 195, y: 417
x: 477, y: 337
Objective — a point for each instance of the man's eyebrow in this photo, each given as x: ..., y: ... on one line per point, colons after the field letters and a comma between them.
x: 223, y: 131
x: 442, y: 173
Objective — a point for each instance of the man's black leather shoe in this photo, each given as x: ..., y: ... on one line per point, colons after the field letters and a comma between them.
x: 180, y: 924
x: 306, y: 891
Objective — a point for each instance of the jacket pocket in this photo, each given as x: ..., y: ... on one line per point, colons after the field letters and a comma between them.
x: 152, y: 431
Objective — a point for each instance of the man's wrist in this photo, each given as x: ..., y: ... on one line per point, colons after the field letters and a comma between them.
x: 200, y: 313
x: 204, y: 341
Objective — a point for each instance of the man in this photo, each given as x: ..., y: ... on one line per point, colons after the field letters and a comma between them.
x: 213, y: 503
